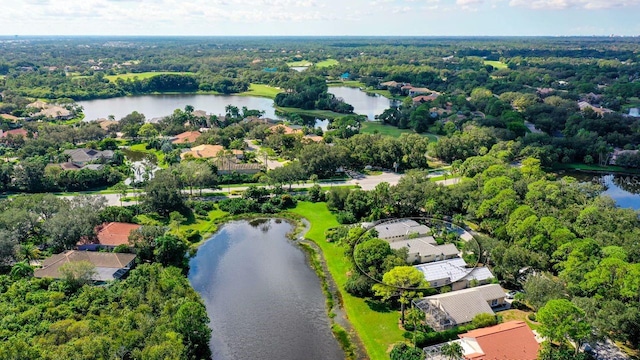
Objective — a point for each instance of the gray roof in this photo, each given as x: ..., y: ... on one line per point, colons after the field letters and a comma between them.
x: 425, y: 246
x: 463, y: 305
x: 109, y: 266
x: 453, y: 269
x: 390, y: 230
x: 87, y: 155
x: 93, y: 167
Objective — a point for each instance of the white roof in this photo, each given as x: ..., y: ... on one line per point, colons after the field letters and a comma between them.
x: 454, y: 270
x: 425, y: 246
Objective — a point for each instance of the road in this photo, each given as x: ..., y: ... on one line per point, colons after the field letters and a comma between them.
x: 366, y: 182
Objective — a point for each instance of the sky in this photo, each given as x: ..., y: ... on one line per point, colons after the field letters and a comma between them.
x: 321, y: 17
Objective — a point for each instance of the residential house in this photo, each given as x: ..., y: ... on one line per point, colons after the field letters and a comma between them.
x: 489, y: 343
x: 444, y: 311
x: 231, y: 165
x: 22, y: 132
x: 210, y: 151
x: 391, y: 84
x: 51, y: 111
x: 583, y: 105
x: 186, y: 137
x: 284, y: 129
x: 455, y: 273
x: 634, y: 112
x: 108, y: 266
x: 415, y: 91
x: 425, y: 250
x: 9, y: 117
x: 403, y: 229
x: 109, y: 236
x: 313, y: 138
x: 83, y: 156
x: 420, y: 99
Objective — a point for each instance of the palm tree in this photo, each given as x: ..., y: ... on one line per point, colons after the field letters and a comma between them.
x: 29, y: 252
x: 452, y: 351
x: 21, y: 270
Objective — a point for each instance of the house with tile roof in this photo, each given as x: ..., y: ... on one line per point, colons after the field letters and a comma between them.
x: 109, y: 236
x: 108, y: 266
x: 510, y: 340
x: 444, y: 311
x: 186, y: 137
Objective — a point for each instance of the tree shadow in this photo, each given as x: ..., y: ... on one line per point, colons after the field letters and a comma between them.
x: 378, y: 306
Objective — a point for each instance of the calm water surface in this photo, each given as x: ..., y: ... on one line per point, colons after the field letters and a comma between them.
x: 623, y: 189
x: 263, y: 299
x: 153, y: 106
x: 363, y: 103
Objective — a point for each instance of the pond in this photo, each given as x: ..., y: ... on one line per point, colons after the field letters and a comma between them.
x: 363, y: 103
x: 153, y: 106
x: 623, y: 189
x: 263, y: 299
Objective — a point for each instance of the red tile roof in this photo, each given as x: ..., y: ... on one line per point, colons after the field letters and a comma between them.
x: 115, y: 233
x: 15, y: 132
x: 511, y: 340
x: 186, y: 137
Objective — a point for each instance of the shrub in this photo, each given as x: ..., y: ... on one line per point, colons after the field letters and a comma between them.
x: 532, y: 317
x: 345, y: 217
x: 484, y: 320
x: 359, y: 285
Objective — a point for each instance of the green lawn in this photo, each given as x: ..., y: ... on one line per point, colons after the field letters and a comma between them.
x: 299, y: 63
x: 2, y: 77
x: 327, y: 63
x: 377, y: 330
x: 496, y: 64
x: 324, y: 114
x: 207, y: 226
x: 144, y: 75
x: 371, y: 127
x: 142, y: 147
x: 261, y: 90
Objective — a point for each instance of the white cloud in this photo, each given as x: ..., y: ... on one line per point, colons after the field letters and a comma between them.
x: 579, y: 4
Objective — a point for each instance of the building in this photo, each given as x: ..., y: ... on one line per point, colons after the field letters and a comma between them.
x: 211, y: 151
x: 230, y: 166
x: 22, y: 132
x: 286, y: 130
x: 634, y: 112
x: 109, y: 236
x: 186, y: 137
x: 489, y: 343
x: 84, y: 156
x: 447, y: 310
x: 425, y: 250
x: 401, y: 230
x: 454, y: 272
x: 108, y: 266
x: 420, y: 99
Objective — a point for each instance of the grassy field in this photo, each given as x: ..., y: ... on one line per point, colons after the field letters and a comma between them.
x: 261, y: 90
x: 299, y: 63
x: 371, y: 127
x: 207, y: 226
x: 519, y: 315
x: 144, y: 75
x: 324, y: 114
x: 496, y: 64
x: 377, y: 330
x: 327, y: 63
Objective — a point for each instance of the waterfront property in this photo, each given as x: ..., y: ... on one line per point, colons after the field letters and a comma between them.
x: 108, y: 266
x: 455, y: 308
x: 425, y: 250
x: 455, y: 273
x: 489, y: 343
x: 84, y: 156
x: 401, y: 230
x: 109, y: 236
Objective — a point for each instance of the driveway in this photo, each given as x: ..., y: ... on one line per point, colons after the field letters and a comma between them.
x: 271, y: 164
